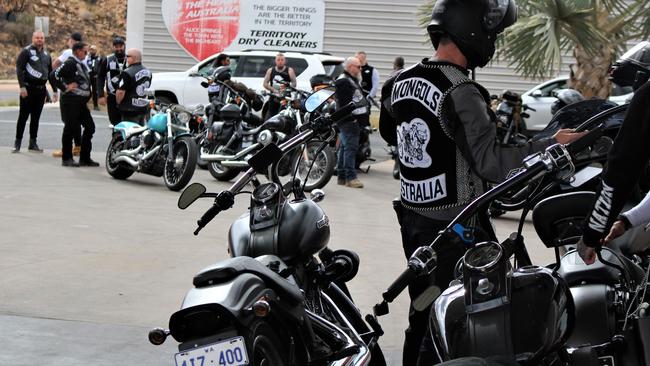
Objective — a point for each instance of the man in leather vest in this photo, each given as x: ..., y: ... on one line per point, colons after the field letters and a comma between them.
x: 440, y: 121
x: 33, y: 67
x: 369, y: 84
x: 92, y: 61
x: 130, y: 94
x: 273, y: 82
x: 108, y: 78
x: 348, y: 90
x: 74, y: 79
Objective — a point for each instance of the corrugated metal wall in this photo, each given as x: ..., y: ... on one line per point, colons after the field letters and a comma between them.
x: 383, y: 28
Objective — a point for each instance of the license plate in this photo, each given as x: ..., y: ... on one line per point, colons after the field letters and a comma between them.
x: 231, y: 352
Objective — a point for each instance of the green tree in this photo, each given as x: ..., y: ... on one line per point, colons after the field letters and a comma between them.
x: 593, y: 31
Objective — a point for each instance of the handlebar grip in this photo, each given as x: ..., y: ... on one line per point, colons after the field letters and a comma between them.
x: 207, y: 217
x: 399, y: 285
x: 586, y: 140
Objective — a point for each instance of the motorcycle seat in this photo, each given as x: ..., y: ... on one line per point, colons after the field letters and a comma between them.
x: 574, y: 271
x: 230, y: 268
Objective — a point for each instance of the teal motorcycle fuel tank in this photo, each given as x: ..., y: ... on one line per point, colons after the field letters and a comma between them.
x: 158, y: 123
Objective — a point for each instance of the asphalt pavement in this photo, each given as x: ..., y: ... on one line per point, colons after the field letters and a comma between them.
x: 90, y: 263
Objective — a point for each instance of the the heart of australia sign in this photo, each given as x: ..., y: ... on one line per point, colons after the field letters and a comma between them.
x: 206, y: 27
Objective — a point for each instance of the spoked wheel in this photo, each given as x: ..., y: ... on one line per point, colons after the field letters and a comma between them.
x: 323, y: 165
x: 203, y: 148
x: 218, y: 171
x: 180, y: 169
x: 116, y: 170
x: 265, y: 348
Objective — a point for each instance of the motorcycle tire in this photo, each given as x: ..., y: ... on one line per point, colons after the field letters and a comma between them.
x: 323, y: 167
x: 116, y: 170
x: 218, y: 171
x: 263, y: 345
x: 179, y: 171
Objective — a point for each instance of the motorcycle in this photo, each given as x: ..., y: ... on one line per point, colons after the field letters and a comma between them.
x: 566, y: 313
x: 275, y: 302
x: 580, y: 116
x: 164, y: 147
x: 237, y: 136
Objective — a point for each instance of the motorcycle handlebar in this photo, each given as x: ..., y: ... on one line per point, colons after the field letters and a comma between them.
x: 224, y: 201
x: 584, y: 141
x: 399, y: 284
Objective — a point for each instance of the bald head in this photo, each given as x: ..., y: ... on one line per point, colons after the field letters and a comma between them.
x: 134, y: 56
x: 38, y: 39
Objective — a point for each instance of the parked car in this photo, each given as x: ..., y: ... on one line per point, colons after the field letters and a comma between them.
x: 248, y: 67
x: 541, y: 98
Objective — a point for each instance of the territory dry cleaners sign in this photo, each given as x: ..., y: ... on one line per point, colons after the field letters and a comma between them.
x: 206, y: 27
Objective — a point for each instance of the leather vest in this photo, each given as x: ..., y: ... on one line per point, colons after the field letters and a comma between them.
x: 433, y: 173
x: 114, y: 68
x: 134, y: 98
x: 366, y: 78
x: 357, y: 96
x: 81, y: 77
x: 279, y: 75
x: 37, y: 67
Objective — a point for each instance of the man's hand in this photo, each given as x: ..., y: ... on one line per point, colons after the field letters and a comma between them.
x: 101, y: 101
x: 55, y: 97
x: 23, y: 92
x: 617, y: 230
x: 588, y: 254
x: 567, y: 135
x: 71, y: 86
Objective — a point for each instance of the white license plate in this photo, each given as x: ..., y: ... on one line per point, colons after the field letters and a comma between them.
x: 231, y: 352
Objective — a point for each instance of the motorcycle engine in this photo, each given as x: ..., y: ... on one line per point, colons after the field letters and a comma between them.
x: 148, y: 138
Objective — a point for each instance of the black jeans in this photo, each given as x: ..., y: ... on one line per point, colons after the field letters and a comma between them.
x: 133, y: 117
x: 32, y: 105
x: 114, y: 115
x: 274, y: 108
x: 76, y: 114
x: 93, y: 89
x: 418, y: 230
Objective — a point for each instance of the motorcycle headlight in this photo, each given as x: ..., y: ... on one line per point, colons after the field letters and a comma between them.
x: 183, y: 117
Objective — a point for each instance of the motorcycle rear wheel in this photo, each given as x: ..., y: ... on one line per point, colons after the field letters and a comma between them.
x: 116, y: 170
x: 323, y: 168
x: 179, y: 171
x: 264, y: 348
x: 218, y: 171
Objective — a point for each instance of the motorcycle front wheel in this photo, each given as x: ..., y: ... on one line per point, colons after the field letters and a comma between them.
x: 203, y: 147
x: 116, y: 170
x: 218, y: 171
x: 323, y: 165
x: 180, y: 169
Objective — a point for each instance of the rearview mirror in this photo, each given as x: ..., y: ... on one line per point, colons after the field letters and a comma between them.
x: 205, y: 84
x: 193, y: 192
x: 317, y: 99
x: 536, y: 93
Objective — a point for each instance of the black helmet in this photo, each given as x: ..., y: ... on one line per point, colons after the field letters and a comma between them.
x: 320, y: 79
x: 633, y: 68
x: 472, y: 25
x: 565, y: 97
x: 221, y: 73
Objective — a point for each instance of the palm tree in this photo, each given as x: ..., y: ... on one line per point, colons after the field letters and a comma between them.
x: 594, y: 31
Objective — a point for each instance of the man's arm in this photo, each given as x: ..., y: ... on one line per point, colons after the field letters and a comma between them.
x: 375, y: 83
x: 21, y: 61
x: 387, y: 122
x: 627, y: 158
x: 101, y: 77
x: 475, y: 134
x: 267, y: 79
x: 124, y: 85
x: 292, y: 76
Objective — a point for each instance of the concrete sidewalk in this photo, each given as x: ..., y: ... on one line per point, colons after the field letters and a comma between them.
x: 91, y: 263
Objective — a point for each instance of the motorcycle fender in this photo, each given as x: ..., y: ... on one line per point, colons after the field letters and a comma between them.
x: 235, y: 295
x: 592, y: 302
x: 176, y: 137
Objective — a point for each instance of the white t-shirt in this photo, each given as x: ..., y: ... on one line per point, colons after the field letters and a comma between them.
x: 65, y: 55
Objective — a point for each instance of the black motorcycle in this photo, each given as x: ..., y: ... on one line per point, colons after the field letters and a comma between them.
x: 281, y: 299
x: 566, y: 313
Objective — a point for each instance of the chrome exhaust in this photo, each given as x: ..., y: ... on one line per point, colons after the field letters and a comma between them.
x: 130, y: 153
x: 361, y: 358
x: 126, y: 159
x: 222, y: 158
x: 234, y: 164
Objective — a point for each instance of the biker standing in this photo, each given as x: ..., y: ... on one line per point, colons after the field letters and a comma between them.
x: 440, y: 120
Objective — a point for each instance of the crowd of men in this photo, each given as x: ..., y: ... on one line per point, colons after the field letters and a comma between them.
x: 79, y: 74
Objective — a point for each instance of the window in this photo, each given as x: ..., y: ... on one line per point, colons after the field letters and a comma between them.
x: 547, y: 90
x: 333, y: 69
x: 207, y: 67
x: 256, y: 66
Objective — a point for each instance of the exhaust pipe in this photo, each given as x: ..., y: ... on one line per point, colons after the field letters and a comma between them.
x: 126, y: 159
x: 222, y: 158
x: 235, y: 164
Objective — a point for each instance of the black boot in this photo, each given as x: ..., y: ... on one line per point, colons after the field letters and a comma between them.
x: 33, y: 147
x: 16, y: 146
